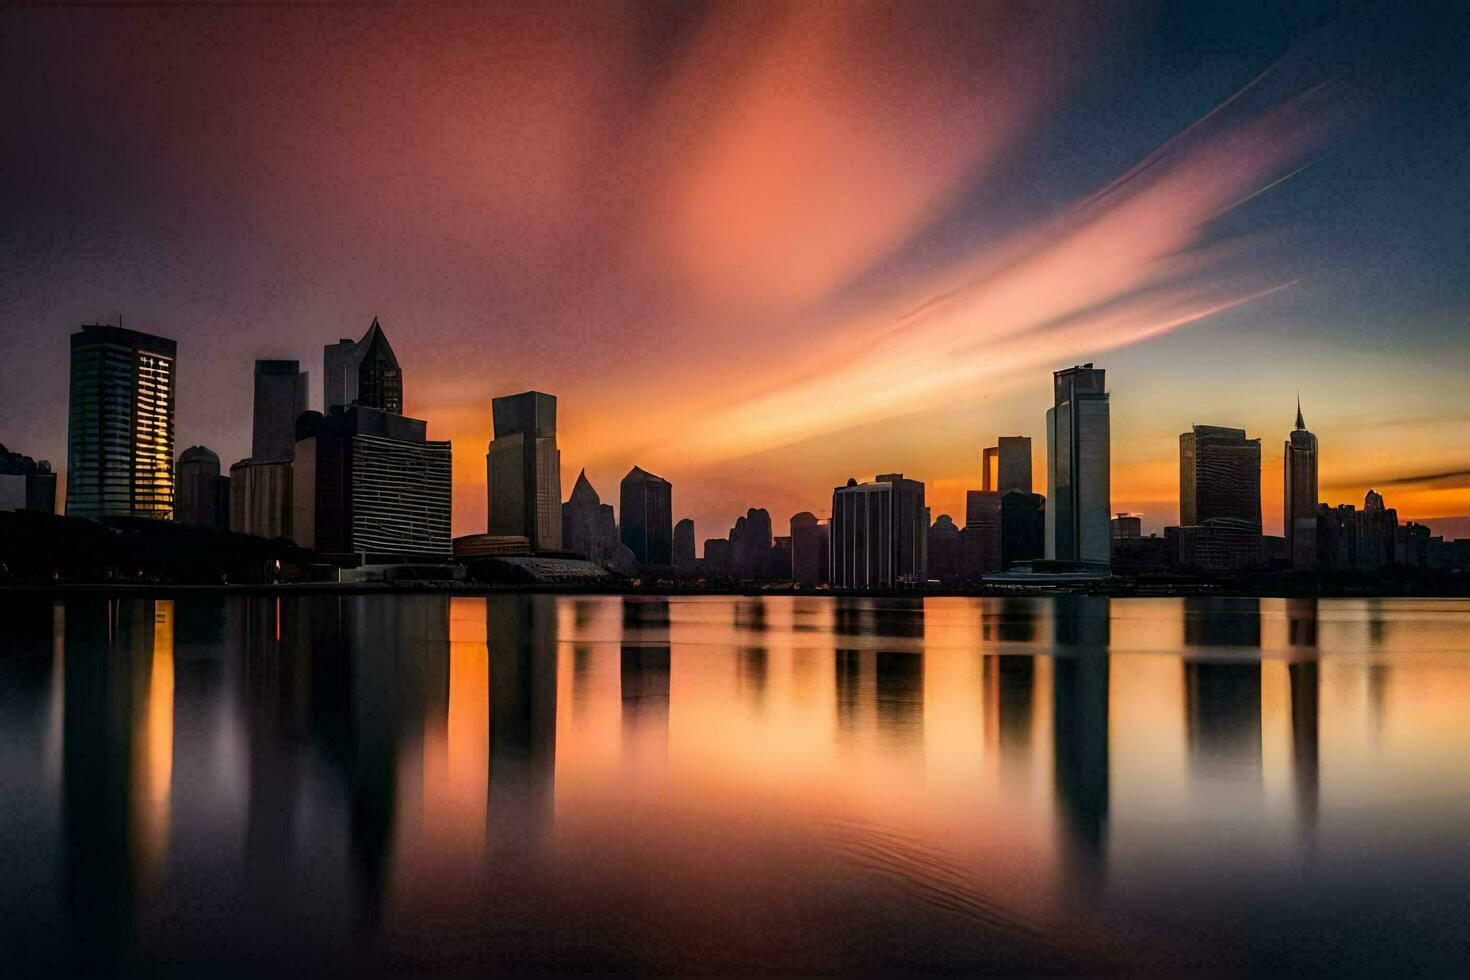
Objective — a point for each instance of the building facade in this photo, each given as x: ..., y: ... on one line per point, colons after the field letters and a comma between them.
x: 588, y: 527
x: 261, y: 498
x: 646, y: 517
x: 1022, y: 527
x: 280, y: 396
x: 202, y: 494
x: 1006, y: 466
x: 363, y: 372
x: 369, y: 483
x: 26, y: 483
x: 684, y: 544
x: 120, y: 434
x: 880, y: 534
x: 810, y: 557
x: 1078, y: 468
x: 1219, y: 477
x: 523, y: 470
x: 1299, y: 506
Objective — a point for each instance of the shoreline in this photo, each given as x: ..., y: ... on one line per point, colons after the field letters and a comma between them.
x: 1219, y: 590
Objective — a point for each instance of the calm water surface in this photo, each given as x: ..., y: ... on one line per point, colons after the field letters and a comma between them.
x: 427, y: 784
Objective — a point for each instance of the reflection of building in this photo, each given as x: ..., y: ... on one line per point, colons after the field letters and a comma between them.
x: 810, y: 541
x: 26, y: 484
x: 523, y: 470
x: 1223, y: 719
x: 879, y: 533
x: 120, y: 438
x: 280, y: 396
x: 1305, y: 752
x: 1213, y: 621
x: 521, y: 632
x: 371, y: 483
x: 203, y: 496
x: 1299, y: 513
x: 1078, y: 468
x: 899, y: 696
x: 646, y: 515
x: 1080, y: 757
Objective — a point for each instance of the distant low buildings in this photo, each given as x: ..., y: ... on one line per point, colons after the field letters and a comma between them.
x: 646, y: 522
x: 879, y: 534
x: 1352, y: 539
x: 1126, y: 526
x: 26, y: 484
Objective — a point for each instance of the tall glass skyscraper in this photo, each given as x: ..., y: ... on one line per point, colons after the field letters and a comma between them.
x: 1078, y: 468
x: 1299, y: 518
x: 120, y: 438
x: 523, y: 470
x: 1219, y: 477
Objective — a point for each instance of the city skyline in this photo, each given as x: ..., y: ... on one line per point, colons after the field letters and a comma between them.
x: 703, y: 347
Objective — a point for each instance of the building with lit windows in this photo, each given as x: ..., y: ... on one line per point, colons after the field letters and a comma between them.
x: 120, y: 434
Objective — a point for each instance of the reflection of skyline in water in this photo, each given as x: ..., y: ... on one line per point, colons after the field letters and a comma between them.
x: 355, y: 752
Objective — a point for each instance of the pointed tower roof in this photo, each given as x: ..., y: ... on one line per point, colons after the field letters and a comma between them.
x: 375, y: 343
x: 584, y: 493
x: 1299, y: 423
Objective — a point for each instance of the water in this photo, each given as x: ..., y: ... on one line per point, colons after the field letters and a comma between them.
x: 372, y: 784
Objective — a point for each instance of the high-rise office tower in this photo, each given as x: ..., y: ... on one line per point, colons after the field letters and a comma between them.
x: 810, y: 556
x: 1078, y: 464
x: 280, y: 396
x: 880, y: 533
x: 370, y: 483
x: 202, y: 494
x: 1299, y: 515
x: 588, y: 526
x: 523, y: 470
x: 1010, y: 461
x: 120, y: 438
x: 684, y: 544
x: 1219, y: 478
x: 339, y: 374
x: 646, y: 517
x: 363, y: 373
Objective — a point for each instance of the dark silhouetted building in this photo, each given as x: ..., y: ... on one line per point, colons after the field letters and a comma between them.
x: 944, y: 551
x: 1220, y: 547
x: 751, y: 547
x: 363, y: 373
x: 684, y: 544
x: 588, y: 527
x: 120, y: 438
x: 202, y: 494
x: 1126, y: 526
x: 646, y: 513
x: 880, y: 534
x: 261, y: 498
x: 810, y: 557
x: 370, y: 483
x: 1010, y: 461
x: 26, y: 484
x: 1349, y: 539
x: 1219, y: 477
x: 1299, y: 509
x: 981, y: 543
x: 1022, y: 527
x: 719, y: 559
x: 280, y: 396
x: 523, y: 470
x: 1078, y: 468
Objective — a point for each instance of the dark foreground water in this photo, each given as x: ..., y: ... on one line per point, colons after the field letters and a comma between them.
x: 374, y: 784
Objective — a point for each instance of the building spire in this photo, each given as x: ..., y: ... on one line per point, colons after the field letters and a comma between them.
x: 1299, y: 423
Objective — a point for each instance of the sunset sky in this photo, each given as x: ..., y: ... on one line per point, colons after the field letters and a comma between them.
x: 758, y: 248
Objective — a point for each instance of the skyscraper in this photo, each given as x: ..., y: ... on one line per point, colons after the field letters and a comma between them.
x: 1299, y: 509
x: 810, y: 543
x: 588, y: 526
x: 523, y: 470
x: 646, y: 521
x: 280, y: 396
x: 1078, y: 463
x: 364, y: 372
x: 684, y: 544
x: 120, y: 438
x: 1011, y: 457
x: 880, y: 534
x: 370, y: 483
x: 1219, y: 478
